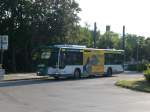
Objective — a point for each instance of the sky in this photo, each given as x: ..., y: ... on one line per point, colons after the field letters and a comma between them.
x: 134, y: 14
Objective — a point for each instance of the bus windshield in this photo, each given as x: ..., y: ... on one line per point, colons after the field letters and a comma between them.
x: 49, y: 58
x: 45, y: 57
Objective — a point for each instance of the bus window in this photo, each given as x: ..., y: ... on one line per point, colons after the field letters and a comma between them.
x: 119, y: 59
x: 112, y: 58
x: 107, y: 58
x: 74, y: 58
x: 62, y: 59
x: 70, y: 58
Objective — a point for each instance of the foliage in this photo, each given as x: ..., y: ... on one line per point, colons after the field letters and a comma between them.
x: 147, y: 74
x: 82, y: 36
x: 135, y: 46
x: 32, y: 23
x: 136, y: 67
x: 141, y: 67
x: 136, y: 84
x: 131, y: 46
x: 109, y: 40
x: 132, y: 67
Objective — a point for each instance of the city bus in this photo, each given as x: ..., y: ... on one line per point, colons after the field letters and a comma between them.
x: 77, y: 61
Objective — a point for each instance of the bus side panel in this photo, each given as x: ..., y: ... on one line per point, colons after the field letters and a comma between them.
x: 115, y: 68
x: 113, y: 60
x: 93, y: 62
x: 65, y: 72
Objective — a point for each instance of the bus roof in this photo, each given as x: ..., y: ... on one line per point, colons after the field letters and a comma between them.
x: 70, y: 46
x: 82, y: 47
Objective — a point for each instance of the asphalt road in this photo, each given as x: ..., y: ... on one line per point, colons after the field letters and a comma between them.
x: 85, y: 95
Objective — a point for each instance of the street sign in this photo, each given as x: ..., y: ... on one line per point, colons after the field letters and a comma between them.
x: 4, y: 42
x: 3, y: 46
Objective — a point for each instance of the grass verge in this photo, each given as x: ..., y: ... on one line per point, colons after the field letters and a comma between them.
x: 138, y: 85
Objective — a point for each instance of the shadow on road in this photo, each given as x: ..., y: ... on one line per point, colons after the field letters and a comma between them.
x: 41, y: 81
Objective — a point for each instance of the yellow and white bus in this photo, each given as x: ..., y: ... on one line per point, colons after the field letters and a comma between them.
x: 78, y: 61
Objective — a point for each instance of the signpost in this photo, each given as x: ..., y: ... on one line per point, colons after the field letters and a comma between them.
x: 3, y: 47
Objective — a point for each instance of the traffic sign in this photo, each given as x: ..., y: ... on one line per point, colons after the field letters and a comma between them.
x: 4, y: 42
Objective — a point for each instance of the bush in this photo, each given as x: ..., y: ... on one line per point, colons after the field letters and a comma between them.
x: 132, y: 67
x: 141, y: 67
x: 137, y: 67
x: 147, y: 75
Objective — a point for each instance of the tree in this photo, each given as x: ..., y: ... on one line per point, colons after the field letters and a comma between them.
x: 56, y: 19
x: 135, y: 47
x: 30, y: 23
x: 145, y: 50
x: 109, y: 40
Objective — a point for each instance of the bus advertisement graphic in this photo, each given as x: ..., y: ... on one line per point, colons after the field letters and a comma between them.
x: 93, y: 62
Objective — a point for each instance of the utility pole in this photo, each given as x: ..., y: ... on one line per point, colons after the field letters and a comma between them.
x: 123, y: 43
x: 108, y: 36
x: 123, y: 46
x: 94, y: 35
x: 137, y: 55
x: 1, y: 52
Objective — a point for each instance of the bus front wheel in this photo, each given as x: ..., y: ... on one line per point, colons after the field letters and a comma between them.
x: 109, y: 72
x: 77, y: 73
x: 56, y: 77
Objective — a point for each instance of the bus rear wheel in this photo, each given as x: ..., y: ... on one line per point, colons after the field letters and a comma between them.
x: 77, y: 73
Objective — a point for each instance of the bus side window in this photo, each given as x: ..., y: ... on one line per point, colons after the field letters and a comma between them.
x: 62, y: 59
x: 74, y: 58
x: 119, y: 59
x: 67, y: 60
x: 79, y: 58
x: 115, y: 58
x: 111, y: 58
x: 107, y: 60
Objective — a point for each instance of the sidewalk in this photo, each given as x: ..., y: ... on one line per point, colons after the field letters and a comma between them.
x: 22, y: 76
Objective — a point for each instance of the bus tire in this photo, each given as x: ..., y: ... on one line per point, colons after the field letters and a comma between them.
x: 109, y: 72
x: 77, y: 73
x: 56, y: 77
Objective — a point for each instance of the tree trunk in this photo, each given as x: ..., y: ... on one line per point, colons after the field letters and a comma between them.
x: 14, y: 60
